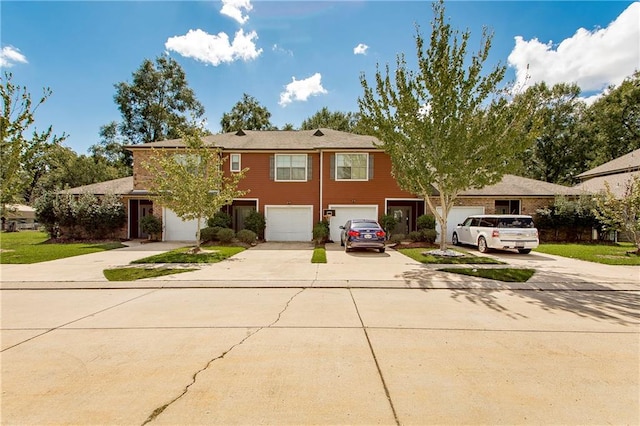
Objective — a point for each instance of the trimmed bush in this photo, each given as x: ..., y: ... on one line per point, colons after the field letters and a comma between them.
x: 220, y: 219
x: 247, y: 236
x: 255, y: 222
x: 210, y: 233
x: 226, y: 235
x: 426, y: 221
x: 321, y: 232
x: 429, y: 235
x: 397, y: 238
x: 151, y: 225
x: 388, y: 223
x: 415, y: 236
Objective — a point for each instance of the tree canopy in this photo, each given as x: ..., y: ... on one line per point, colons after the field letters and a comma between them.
x: 447, y: 126
x: 192, y: 182
x: 20, y: 151
x: 158, y: 104
x: 337, y: 120
x: 246, y: 114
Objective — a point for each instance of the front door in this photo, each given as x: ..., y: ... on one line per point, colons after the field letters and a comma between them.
x: 403, y: 216
x: 145, y: 209
x: 240, y: 213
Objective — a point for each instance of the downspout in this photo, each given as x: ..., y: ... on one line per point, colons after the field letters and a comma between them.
x: 320, y: 175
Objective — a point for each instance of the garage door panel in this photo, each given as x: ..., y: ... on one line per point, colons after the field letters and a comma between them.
x: 175, y: 229
x: 345, y: 213
x: 289, y: 223
x: 457, y: 215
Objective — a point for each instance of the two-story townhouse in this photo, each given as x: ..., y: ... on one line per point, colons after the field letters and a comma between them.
x: 294, y: 178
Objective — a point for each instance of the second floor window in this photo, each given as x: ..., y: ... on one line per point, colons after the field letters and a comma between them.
x: 291, y: 167
x: 235, y: 162
x: 352, y: 166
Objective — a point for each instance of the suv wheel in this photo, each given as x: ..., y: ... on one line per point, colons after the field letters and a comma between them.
x: 454, y: 239
x: 482, y: 245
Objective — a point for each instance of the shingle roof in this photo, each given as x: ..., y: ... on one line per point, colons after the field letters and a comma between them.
x: 617, y: 183
x: 511, y: 185
x: 626, y: 163
x: 248, y: 140
x: 117, y: 187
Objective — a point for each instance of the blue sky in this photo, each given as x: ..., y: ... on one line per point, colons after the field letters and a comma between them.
x: 294, y: 57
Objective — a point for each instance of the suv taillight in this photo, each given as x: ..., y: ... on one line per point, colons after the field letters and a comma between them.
x: 495, y: 233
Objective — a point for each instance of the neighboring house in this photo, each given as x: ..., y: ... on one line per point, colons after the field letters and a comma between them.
x: 19, y: 216
x: 298, y: 178
x: 617, y: 173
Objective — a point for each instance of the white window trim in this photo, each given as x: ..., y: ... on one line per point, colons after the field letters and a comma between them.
x: 366, y: 167
x: 231, y: 162
x: 275, y: 168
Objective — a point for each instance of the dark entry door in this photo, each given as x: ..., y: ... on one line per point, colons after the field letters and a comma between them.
x: 404, y: 219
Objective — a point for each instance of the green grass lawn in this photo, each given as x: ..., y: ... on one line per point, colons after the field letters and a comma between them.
x: 133, y: 273
x: 211, y: 254
x: 26, y: 247
x: 600, y: 253
x: 468, y: 258
x: 511, y: 275
x: 319, y: 255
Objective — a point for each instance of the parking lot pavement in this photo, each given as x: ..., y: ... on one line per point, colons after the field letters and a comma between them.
x: 298, y: 355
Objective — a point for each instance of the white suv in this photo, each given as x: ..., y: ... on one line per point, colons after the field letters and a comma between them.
x: 497, y: 231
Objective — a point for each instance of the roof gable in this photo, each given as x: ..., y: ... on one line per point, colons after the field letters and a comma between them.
x: 627, y: 163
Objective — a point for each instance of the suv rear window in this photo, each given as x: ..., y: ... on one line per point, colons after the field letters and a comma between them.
x: 515, y: 222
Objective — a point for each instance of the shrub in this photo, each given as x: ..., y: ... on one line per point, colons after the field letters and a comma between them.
x: 247, y: 236
x: 45, y: 213
x: 151, y: 225
x: 415, y: 236
x: 210, y: 233
x: 321, y: 232
x: 426, y: 221
x: 255, y: 222
x: 396, y: 238
x: 226, y: 235
x: 429, y: 235
x: 220, y: 219
x: 388, y: 223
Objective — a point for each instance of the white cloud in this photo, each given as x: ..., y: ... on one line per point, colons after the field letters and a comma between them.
x: 279, y: 49
x: 591, y: 59
x: 10, y: 55
x: 215, y: 49
x: 300, y: 90
x: 233, y: 9
x: 360, y: 49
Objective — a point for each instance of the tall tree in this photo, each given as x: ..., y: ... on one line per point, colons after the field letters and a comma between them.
x: 613, y: 121
x: 111, y: 148
x: 561, y: 150
x: 337, y: 120
x: 246, y: 114
x: 19, y: 150
x: 446, y: 125
x: 158, y: 104
x: 191, y: 181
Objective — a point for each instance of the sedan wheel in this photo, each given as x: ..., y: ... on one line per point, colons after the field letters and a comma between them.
x: 482, y: 245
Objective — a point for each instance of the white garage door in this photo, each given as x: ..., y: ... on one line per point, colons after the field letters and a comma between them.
x: 175, y: 229
x: 345, y: 213
x: 288, y: 223
x: 457, y: 215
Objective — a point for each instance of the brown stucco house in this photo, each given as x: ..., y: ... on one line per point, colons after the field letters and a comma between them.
x: 297, y: 178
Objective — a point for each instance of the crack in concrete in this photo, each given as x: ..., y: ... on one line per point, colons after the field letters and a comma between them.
x: 194, y: 377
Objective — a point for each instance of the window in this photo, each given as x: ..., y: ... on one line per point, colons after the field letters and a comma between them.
x: 352, y: 166
x: 190, y: 162
x: 507, y: 206
x: 291, y: 167
x: 235, y: 162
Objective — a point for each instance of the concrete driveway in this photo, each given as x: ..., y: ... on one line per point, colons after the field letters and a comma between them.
x: 364, y: 339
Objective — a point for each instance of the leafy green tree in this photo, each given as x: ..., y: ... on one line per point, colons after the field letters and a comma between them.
x: 111, y: 149
x: 191, y: 181
x: 158, y: 104
x: 288, y: 126
x: 613, y: 121
x: 337, y: 120
x: 18, y: 150
x: 621, y: 214
x: 445, y: 125
x: 560, y: 151
x: 246, y: 114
